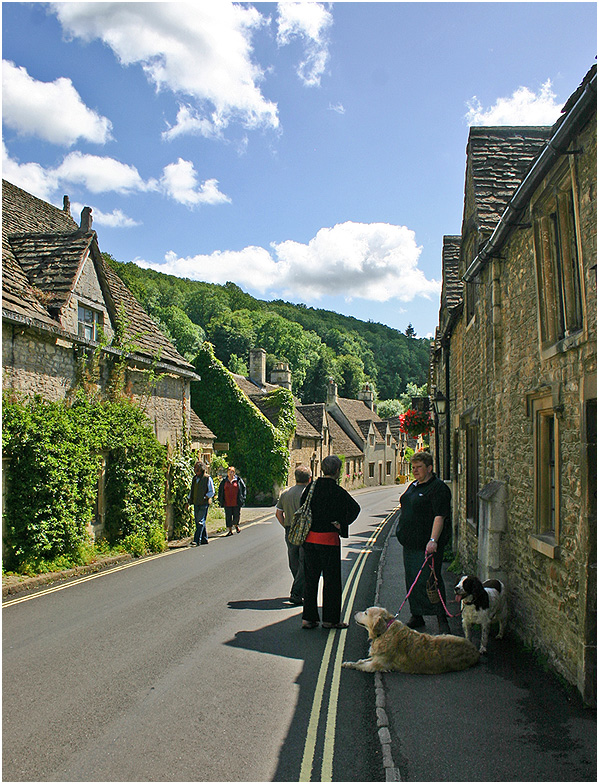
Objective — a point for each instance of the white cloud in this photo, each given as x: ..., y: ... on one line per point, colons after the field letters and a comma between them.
x: 338, y: 107
x: 100, y: 174
x: 374, y: 261
x: 523, y: 107
x: 202, y: 51
x: 30, y: 108
x: 309, y: 22
x: 180, y: 182
x: 31, y: 177
x: 114, y: 220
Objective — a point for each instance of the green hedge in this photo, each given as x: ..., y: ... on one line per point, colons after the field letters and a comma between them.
x: 258, y: 449
x: 53, y: 452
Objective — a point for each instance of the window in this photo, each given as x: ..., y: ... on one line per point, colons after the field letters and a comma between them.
x: 388, y: 439
x: 371, y: 470
x: 558, y: 264
x: 544, y: 536
x: 388, y: 468
x: 90, y: 322
x: 371, y: 438
x: 545, y: 533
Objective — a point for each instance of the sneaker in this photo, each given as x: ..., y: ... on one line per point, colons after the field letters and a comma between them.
x: 229, y: 534
x: 415, y: 622
x: 295, y: 600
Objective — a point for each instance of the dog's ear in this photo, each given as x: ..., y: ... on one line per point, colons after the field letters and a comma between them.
x: 378, y: 621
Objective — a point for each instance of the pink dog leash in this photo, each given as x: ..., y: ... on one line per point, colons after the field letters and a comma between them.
x: 432, y: 566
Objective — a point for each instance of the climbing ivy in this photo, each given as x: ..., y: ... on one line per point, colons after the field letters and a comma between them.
x: 258, y: 449
x: 53, y: 455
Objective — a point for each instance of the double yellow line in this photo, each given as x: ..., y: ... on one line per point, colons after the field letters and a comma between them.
x: 349, y: 595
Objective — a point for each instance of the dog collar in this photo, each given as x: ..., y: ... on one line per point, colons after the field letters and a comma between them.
x: 390, y: 622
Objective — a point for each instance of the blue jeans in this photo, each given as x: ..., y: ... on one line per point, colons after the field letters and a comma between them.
x: 199, y: 515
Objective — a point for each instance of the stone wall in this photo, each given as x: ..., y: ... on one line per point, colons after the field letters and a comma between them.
x: 35, y: 362
x: 497, y: 367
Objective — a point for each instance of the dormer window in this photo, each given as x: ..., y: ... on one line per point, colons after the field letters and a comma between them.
x: 90, y: 323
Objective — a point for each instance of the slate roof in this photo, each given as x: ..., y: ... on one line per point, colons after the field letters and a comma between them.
x: 358, y: 415
x: 315, y: 413
x: 305, y: 429
x: 498, y: 160
x: 341, y: 443
x: 43, y: 250
x: 197, y: 429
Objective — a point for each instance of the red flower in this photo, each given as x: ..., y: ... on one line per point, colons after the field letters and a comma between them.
x: 415, y: 423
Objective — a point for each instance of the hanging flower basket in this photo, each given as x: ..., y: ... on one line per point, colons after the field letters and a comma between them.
x: 415, y: 423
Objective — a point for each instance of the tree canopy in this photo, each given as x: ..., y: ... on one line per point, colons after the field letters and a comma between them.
x: 318, y: 344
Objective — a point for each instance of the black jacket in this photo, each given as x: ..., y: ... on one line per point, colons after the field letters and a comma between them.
x: 331, y: 503
x: 241, y: 494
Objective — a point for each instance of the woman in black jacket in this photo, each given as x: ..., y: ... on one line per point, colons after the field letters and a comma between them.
x: 424, y: 527
x: 333, y: 509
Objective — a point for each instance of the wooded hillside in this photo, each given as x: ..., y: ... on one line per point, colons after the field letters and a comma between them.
x: 316, y: 343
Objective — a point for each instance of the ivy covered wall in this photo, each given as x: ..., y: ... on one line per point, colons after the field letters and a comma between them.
x: 257, y: 448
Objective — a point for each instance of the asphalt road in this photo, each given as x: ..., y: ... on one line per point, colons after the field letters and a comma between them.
x: 190, y: 666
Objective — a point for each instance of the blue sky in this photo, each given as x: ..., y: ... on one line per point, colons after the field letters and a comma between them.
x: 308, y: 151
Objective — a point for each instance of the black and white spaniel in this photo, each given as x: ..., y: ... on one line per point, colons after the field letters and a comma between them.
x: 482, y: 603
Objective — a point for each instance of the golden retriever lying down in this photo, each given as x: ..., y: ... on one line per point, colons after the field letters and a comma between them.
x: 395, y: 647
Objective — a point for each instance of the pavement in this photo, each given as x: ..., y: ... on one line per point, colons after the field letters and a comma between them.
x: 509, y: 718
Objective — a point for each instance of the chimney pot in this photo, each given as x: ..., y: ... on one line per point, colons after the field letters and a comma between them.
x: 66, y: 204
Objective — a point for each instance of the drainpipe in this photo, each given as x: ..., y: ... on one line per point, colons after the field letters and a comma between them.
x: 555, y: 148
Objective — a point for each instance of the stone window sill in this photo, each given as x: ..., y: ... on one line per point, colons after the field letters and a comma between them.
x: 546, y: 545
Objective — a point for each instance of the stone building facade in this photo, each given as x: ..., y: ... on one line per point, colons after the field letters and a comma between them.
x: 515, y: 360
x: 61, y: 304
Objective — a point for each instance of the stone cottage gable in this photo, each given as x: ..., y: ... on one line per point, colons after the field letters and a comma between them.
x: 498, y: 159
x: 198, y: 431
x: 47, y: 259
x: 359, y: 418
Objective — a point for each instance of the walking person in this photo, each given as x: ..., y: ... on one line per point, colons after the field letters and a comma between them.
x: 231, y: 496
x: 424, y: 527
x: 333, y: 509
x: 288, y: 503
x: 200, y: 495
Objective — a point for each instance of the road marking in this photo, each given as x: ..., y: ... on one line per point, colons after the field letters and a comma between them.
x: 350, y: 590
x: 74, y: 581
x: 78, y: 580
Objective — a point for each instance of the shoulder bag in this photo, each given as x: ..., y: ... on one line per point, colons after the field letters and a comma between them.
x: 302, y: 520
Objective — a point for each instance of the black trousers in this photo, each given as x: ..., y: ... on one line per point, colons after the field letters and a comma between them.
x: 232, y: 514
x: 325, y: 560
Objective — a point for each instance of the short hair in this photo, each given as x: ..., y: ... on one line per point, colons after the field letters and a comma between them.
x: 331, y: 465
x: 230, y: 467
x: 302, y: 474
x: 201, y: 465
x: 422, y: 457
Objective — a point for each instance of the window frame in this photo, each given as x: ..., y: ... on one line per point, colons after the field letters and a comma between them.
x: 558, y: 263
x: 545, y: 535
x: 96, y: 323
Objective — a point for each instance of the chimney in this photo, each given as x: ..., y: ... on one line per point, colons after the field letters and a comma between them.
x: 66, y: 204
x: 331, y: 393
x: 86, y: 220
x: 281, y: 375
x: 258, y: 366
x: 367, y: 396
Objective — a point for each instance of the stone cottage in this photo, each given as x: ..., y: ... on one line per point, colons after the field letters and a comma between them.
x: 61, y: 302
x: 514, y: 373
x: 371, y: 434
